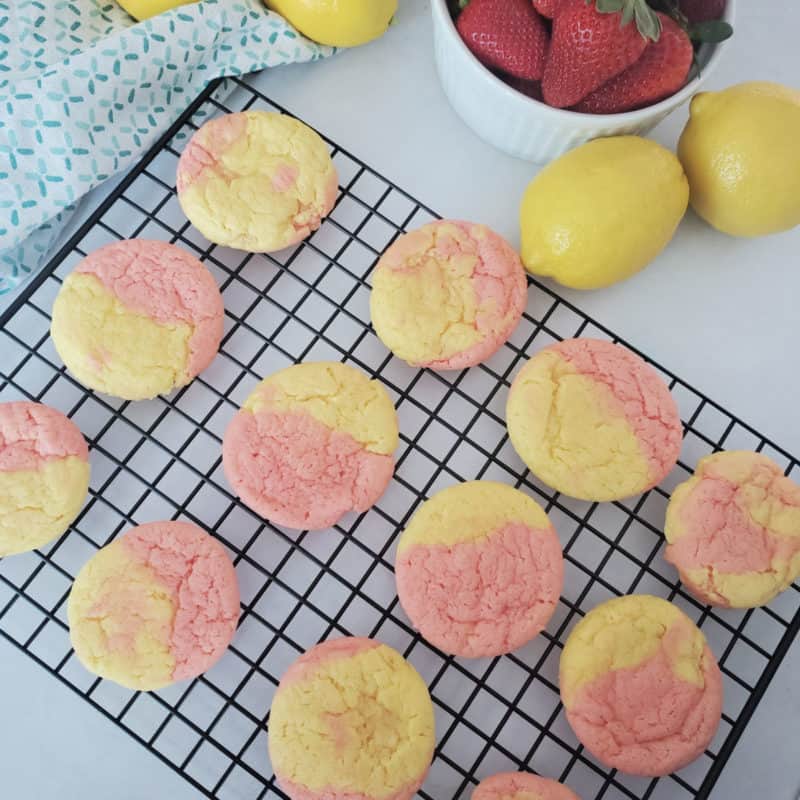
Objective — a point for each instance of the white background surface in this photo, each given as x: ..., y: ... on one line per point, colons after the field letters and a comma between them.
x: 721, y: 313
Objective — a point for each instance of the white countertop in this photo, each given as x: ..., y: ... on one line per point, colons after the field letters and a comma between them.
x: 719, y: 312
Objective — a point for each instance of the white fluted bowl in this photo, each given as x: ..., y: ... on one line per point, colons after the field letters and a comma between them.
x: 526, y: 128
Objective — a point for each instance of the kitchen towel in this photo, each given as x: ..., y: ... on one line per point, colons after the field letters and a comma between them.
x: 85, y: 90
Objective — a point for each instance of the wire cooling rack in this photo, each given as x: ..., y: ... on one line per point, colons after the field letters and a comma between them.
x: 161, y: 459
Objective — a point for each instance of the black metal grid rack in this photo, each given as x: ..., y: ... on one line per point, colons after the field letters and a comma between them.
x: 161, y: 459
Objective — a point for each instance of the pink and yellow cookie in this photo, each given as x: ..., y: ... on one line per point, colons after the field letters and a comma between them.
x: 479, y: 569
x: 137, y: 318
x: 593, y: 421
x: 351, y: 720
x: 157, y: 605
x: 640, y: 686
x: 521, y: 786
x: 44, y: 475
x: 311, y: 443
x: 448, y: 295
x: 733, y: 530
x: 256, y: 180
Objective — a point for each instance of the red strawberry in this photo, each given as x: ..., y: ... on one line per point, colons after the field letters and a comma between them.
x: 506, y: 35
x: 659, y: 73
x: 589, y: 46
x: 547, y: 8
x: 702, y: 10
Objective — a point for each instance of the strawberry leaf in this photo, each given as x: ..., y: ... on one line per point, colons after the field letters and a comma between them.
x: 627, y: 15
x: 647, y: 20
x: 711, y: 32
x: 608, y: 6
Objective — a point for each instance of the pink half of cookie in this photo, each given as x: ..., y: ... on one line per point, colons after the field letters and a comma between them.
x: 643, y: 397
x: 646, y: 720
x: 297, y: 472
x: 485, y: 597
x: 201, y: 579
x: 521, y: 786
x: 167, y: 284
x: 32, y: 434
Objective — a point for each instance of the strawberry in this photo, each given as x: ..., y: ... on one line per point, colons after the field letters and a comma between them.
x: 702, y: 10
x: 660, y: 71
x: 505, y: 35
x: 547, y: 8
x: 592, y: 42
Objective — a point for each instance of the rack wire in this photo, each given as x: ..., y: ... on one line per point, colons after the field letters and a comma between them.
x: 161, y: 459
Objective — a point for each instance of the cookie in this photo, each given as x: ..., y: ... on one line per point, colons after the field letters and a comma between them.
x: 311, y: 443
x: 44, y: 475
x: 593, y: 421
x: 640, y: 686
x: 479, y: 569
x: 137, y: 318
x: 733, y: 530
x: 158, y: 605
x: 351, y: 720
x: 521, y: 786
x: 448, y: 295
x: 256, y: 181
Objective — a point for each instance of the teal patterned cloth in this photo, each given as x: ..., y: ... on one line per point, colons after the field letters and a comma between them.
x: 84, y: 91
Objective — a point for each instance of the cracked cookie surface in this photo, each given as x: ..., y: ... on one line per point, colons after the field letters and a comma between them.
x: 733, y: 530
x: 137, y: 318
x: 479, y: 569
x: 447, y: 295
x: 157, y: 605
x: 351, y: 720
x: 44, y: 475
x: 311, y: 443
x: 521, y: 786
x: 640, y: 686
x: 592, y: 420
x: 256, y: 181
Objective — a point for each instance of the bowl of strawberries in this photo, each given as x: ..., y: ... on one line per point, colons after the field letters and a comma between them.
x: 536, y: 78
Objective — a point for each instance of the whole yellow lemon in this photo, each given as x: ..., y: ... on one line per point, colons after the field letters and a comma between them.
x: 602, y: 212
x: 143, y: 9
x: 741, y: 153
x: 339, y: 23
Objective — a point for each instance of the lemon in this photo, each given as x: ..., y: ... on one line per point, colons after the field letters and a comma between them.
x: 602, y: 212
x: 340, y: 23
x: 741, y: 153
x: 142, y: 9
